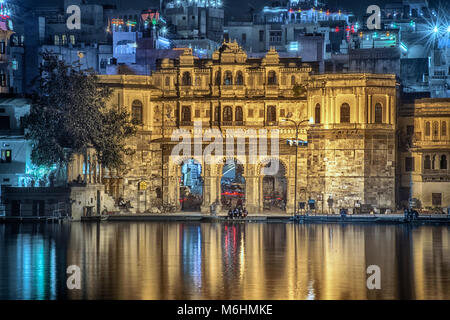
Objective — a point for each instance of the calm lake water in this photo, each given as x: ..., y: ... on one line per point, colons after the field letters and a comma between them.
x: 223, y: 261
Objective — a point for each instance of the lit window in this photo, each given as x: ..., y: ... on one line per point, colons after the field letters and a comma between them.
x: 72, y: 39
x: 57, y: 40
x: 6, y: 156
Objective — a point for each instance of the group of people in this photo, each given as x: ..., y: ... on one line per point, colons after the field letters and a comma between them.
x: 410, y: 214
x: 238, y: 212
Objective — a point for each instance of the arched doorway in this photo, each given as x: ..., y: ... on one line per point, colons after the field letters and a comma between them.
x: 232, y: 185
x: 274, y: 189
x: 191, y: 186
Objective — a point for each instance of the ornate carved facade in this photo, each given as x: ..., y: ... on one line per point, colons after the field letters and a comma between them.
x: 351, y: 151
x: 424, y: 152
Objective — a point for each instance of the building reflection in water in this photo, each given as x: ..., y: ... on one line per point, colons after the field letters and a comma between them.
x: 32, y: 261
x: 225, y: 261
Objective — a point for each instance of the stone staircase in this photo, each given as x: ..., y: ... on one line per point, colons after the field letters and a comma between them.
x: 109, y: 203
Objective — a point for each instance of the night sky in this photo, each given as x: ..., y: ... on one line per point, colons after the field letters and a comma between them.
x: 233, y: 8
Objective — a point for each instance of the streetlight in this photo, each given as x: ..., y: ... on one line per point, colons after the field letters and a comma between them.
x: 297, y: 125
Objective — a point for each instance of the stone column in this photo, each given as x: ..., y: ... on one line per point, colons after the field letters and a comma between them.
x: 86, y: 168
x: 333, y: 109
x: 323, y: 110
x: 362, y: 109
x: 207, y: 192
x: 290, y: 194
x: 392, y: 110
x: 217, y: 189
x: 251, y: 194
x: 260, y: 193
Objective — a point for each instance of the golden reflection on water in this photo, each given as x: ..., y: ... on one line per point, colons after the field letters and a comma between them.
x: 258, y: 261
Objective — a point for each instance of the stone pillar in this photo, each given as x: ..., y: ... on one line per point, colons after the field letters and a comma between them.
x: 290, y: 194
x: 86, y: 168
x: 362, y: 109
x: 208, y: 197
x: 260, y: 193
x: 323, y: 110
x: 357, y: 109
x: 392, y: 110
x: 251, y: 194
x: 333, y: 110
x: 216, y: 190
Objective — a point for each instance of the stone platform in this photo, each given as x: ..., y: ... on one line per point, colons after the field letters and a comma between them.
x: 271, y: 217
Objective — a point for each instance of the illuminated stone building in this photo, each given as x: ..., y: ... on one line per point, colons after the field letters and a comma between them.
x: 424, y: 152
x: 351, y: 149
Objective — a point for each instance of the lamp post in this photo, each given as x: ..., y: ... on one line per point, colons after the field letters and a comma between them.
x: 297, y: 125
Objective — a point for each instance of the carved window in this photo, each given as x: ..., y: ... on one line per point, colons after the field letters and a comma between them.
x: 443, y: 164
x: 271, y: 114
x: 239, y: 78
x: 427, y: 163
x: 136, y: 111
x: 227, y: 114
x: 427, y: 129
x: 228, y: 78
x: 436, y: 199
x: 198, y: 81
x: 378, y: 113
x: 435, y: 128
x: 345, y: 113
x: 239, y: 115
x: 444, y: 129
x: 293, y: 81
x: 186, y: 114
x: 186, y: 80
x: 317, y: 114
x: 272, y: 77
x: 167, y: 81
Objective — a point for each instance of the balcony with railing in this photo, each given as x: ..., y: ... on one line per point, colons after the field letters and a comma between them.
x: 271, y: 123
x: 185, y: 123
x: 272, y: 90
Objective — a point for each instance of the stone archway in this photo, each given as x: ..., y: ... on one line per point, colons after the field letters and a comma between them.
x: 232, y: 184
x: 273, y: 186
x: 191, y: 185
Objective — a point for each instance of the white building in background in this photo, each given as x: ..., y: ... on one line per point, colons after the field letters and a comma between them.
x: 94, y: 56
x: 124, y: 46
x: 202, y: 19
x: 15, y: 161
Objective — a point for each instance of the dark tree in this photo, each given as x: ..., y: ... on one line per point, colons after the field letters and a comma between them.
x: 69, y: 114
